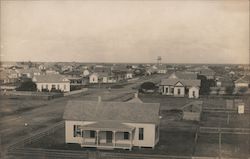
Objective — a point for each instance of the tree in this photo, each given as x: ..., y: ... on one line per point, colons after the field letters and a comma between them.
x: 27, y: 86
x: 147, y: 87
x: 139, y: 72
x: 205, y: 84
x: 229, y: 90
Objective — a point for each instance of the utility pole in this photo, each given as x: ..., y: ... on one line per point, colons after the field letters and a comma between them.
x: 220, y: 143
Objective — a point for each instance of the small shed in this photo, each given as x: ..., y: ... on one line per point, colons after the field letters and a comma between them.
x: 192, y: 111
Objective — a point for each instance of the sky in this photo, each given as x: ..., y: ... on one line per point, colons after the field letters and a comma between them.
x: 180, y: 31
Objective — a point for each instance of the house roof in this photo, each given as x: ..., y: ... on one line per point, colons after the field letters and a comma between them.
x: 172, y: 82
x: 183, y: 75
x: 112, y: 111
x: 107, y: 126
x: 207, y: 72
x: 244, y: 79
x: 50, y: 78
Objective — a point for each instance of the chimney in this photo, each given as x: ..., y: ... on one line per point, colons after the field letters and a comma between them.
x: 136, y: 95
x: 99, y: 99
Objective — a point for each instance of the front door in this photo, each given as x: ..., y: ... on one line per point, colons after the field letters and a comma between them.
x: 109, y: 136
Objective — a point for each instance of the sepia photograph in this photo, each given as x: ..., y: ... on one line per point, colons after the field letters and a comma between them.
x: 124, y: 79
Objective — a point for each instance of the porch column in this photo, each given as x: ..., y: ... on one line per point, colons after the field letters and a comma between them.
x: 97, y: 138
x: 83, y: 137
x: 114, y: 132
x: 131, y: 139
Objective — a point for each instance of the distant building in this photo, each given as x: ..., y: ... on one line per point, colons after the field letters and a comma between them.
x: 161, y: 69
x: 29, y: 73
x: 186, y: 86
x: 52, y: 82
x: 207, y: 72
x: 93, y: 78
x: 110, y: 125
x: 101, y: 78
x: 242, y: 83
x: 41, y: 67
x: 192, y: 111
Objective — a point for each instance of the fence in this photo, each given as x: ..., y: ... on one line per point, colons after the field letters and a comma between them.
x: 33, y: 95
x: 75, y: 92
x: 36, y: 136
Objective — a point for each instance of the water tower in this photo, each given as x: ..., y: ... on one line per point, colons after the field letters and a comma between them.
x: 159, y: 60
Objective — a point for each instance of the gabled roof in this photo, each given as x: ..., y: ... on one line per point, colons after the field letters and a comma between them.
x: 207, y: 72
x: 183, y: 75
x: 112, y: 111
x: 244, y: 79
x: 50, y: 78
x: 173, y: 82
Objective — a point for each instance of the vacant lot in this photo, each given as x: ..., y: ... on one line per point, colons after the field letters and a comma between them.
x: 232, y: 145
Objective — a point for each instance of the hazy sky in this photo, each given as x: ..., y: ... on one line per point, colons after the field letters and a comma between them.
x: 181, y: 31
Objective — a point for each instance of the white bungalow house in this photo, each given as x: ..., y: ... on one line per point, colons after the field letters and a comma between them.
x: 242, y: 83
x: 173, y: 86
x: 192, y: 111
x: 161, y: 69
x: 110, y: 125
x: 52, y: 82
x: 101, y: 78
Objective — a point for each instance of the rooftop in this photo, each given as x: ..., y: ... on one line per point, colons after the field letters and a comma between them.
x: 185, y: 82
x: 183, y: 75
x: 50, y: 78
x: 112, y: 111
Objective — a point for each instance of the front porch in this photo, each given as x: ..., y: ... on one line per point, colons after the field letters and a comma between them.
x: 107, y: 135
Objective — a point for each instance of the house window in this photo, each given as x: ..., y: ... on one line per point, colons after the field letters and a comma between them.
x: 47, y: 86
x: 92, y: 134
x: 179, y: 91
x: 58, y: 86
x: 193, y: 93
x: 172, y: 90
x: 53, y: 86
x: 65, y: 87
x: 77, y: 131
x: 125, y: 135
x: 166, y: 89
x: 42, y: 86
x: 141, y: 133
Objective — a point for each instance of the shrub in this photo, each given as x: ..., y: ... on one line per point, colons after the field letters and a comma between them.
x: 27, y: 86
